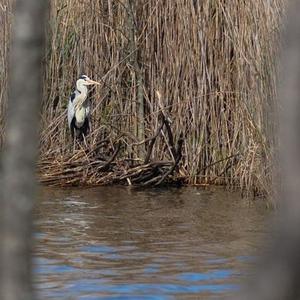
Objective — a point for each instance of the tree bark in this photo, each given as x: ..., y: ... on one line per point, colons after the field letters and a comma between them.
x: 20, y: 150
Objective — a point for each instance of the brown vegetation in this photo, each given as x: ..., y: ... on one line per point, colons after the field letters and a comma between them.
x: 213, y: 62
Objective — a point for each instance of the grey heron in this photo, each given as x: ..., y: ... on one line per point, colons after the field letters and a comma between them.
x: 79, y: 108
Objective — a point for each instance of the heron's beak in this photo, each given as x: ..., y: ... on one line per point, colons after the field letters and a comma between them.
x: 90, y: 82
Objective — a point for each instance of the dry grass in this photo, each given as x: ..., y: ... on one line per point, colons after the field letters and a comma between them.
x: 214, y: 63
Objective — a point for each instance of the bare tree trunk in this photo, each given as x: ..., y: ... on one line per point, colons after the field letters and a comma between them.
x: 19, y: 156
x: 279, y: 272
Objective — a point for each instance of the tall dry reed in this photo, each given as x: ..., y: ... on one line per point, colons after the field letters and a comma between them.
x: 214, y: 63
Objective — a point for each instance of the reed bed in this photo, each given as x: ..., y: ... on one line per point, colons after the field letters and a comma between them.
x: 212, y: 62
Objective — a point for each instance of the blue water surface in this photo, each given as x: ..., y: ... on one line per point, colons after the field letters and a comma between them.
x: 118, y: 243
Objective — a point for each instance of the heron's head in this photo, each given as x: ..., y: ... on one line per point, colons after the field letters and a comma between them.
x: 85, y: 80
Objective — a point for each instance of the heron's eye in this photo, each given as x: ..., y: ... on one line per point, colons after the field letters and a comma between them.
x: 84, y: 77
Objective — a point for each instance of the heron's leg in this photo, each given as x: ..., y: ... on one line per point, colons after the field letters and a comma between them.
x: 84, y: 140
x: 85, y: 131
x: 74, y: 143
x: 73, y: 133
x: 88, y: 126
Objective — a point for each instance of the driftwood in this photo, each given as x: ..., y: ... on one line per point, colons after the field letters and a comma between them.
x: 92, y: 167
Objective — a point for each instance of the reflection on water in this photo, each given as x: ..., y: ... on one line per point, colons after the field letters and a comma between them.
x: 122, y: 243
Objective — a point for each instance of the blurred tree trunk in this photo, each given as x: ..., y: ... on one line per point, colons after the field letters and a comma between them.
x: 279, y: 272
x: 19, y: 155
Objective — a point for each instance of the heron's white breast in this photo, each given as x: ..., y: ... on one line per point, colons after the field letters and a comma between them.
x: 80, y: 115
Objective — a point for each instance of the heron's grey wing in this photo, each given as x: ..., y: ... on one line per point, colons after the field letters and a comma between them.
x: 87, y: 108
x: 71, y: 109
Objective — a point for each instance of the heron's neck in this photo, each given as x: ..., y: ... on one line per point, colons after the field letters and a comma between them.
x: 82, y: 89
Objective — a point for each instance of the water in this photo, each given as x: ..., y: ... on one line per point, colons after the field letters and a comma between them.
x: 122, y: 243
